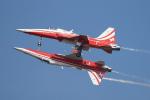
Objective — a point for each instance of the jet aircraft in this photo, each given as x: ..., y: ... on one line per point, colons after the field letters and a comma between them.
x: 106, y: 41
x: 96, y: 70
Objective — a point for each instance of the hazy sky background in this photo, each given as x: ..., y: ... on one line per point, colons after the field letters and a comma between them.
x: 25, y: 78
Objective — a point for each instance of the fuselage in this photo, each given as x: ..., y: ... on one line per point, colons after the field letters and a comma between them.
x: 65, y: 36
x: 66, y: 60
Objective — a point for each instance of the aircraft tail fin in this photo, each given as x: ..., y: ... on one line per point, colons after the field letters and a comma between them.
x: 96, y: 77
x: 108, y: 40
x: 108, y: 35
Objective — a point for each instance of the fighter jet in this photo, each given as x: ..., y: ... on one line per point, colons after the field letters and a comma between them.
x: 106, y: 41
x: 96, y: 70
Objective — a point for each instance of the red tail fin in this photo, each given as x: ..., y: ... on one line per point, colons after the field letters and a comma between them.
x: 108, y: 36
x: 96, y: 77
x: 108, y: 40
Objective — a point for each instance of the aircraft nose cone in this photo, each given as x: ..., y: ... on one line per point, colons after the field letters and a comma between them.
x: 19, y: 49
x: 16, y: 48
x: 23, y: 30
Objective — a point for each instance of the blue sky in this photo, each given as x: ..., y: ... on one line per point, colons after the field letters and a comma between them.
x: 23, y: 77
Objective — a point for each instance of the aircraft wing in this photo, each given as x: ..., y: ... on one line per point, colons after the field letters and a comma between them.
x: 78, y: 38
x: 73, y: 56
x: 96, y: 77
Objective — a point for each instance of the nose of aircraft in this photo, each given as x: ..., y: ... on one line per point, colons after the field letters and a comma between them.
x: 23, y: 30
x: 19, y: 49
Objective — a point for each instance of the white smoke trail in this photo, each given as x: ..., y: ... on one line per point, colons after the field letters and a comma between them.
x: 132, y: 76
x: 135, y: 50
x: 127, y: 82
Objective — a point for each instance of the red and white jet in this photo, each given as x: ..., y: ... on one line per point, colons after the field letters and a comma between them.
x: 106, y: 41
x: 96, y: 70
